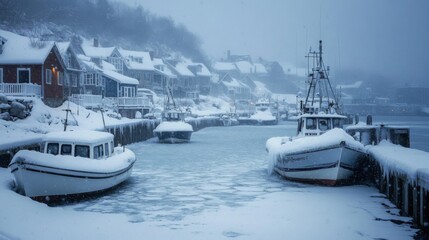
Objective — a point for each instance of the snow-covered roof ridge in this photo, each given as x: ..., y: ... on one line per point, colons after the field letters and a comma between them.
x: 137, y: 60
x: 203, y: 71
x: 97, y: 52
x: 224, y: 66
x: 24, y: 50
x: 120, y: 78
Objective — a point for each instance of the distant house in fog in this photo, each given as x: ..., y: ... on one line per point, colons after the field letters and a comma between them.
x: 138, y: 65
x: 73, y: 71
x: 163, y: 76
x: 30, y: 67
x: 233, y: 88
x: 202, y: 77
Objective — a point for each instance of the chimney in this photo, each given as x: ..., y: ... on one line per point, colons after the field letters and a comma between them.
x: 151, y: 54
x: 228, y: 55
x: 95, y: 42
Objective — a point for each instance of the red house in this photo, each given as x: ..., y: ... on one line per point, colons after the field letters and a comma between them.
x: 30, y: 67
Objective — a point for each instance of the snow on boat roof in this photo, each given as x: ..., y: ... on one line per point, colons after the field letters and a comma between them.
x: 171, y: 126
x: 19, y: 50
x: 321, y: 115
x: 120, y: 78
x: 331, y: 137
x: 79, y: 136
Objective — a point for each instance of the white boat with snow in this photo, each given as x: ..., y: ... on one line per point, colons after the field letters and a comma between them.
x: 322, y: 152
x: 70, y: 163
x: 173, y: 128
x: 263, y: 114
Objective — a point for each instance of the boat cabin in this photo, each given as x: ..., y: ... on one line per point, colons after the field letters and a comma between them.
x: 86, y: 144
x: 173, y: 116
x: 262, y: 104
x: 317, y: 124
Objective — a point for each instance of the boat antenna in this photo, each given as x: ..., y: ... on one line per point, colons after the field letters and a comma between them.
x: 102, y: 117
x: 67, y: 115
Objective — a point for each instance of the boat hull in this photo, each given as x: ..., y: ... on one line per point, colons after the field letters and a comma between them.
x: 35, y: 180
x: 329, y: 166
x: 173, y: 136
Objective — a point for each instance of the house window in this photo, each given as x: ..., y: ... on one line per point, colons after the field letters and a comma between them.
x: 99, y: 79
x: 89, y: 79
x: 69, y: 60
x: 24, y: 75
x: 60, y: 77
x: 48, y: 76
x: 128, y: 92
x: 1, y: 75
x: 74, y: 80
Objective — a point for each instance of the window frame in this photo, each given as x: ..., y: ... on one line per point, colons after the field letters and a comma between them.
x: 1, y: 75
x: 48, y: 148
x: 62, y: 152
x: 18, y: 70
x: 82, y: 146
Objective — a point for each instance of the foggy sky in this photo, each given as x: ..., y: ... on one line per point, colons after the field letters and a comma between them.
x: 379, y: 38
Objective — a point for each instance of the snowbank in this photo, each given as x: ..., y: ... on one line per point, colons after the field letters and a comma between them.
x: 404, y: 161
x: 167, y: 126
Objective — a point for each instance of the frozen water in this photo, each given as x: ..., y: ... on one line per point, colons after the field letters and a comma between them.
x: 219, y: 167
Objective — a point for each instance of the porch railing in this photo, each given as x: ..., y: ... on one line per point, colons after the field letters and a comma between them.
x: 21, y: 89
x: 132, y: 102
x: 87, y: 100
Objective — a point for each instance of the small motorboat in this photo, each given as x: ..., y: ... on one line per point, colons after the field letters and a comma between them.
x: 263, y: 114
x: 173, y: 128
x: 71, y: 163
x: 322, y: 152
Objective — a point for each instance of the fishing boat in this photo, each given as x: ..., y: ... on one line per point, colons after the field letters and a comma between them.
x: 71, y: 163
x: 263, y: 114
x: 321, y: 152
x: 173, y: 128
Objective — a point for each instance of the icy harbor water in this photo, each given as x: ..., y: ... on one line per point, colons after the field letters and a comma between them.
x: 218, y: 184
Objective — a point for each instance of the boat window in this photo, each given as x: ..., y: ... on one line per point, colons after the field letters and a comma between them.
x: 311, y: 123
x: 324, y: 124
x: 81, y: 151
x: 98, y: 151
x: 112, y: 148
x: 53, y: 148
x: 337, y: 123
x: 66, y: 149
x: 106, y: 149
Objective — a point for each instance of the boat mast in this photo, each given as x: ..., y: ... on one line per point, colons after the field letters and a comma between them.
x: 319, y: 81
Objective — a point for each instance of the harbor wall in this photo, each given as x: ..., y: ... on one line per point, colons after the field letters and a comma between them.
x: 126, y: 133
x: 410, y: 193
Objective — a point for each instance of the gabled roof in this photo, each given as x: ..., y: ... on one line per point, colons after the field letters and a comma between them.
x: 97, y: 52
x: 63, y: 47
x: 23, y: 50
x: 130, y: 62
x: 181, y: 69
x: 224, y: 66
x: 119, y: 77
x: 231, y: 82
x: 244, y: 67
x: 87, y: 64
x: 162, y: 68
x: 204, y: 70
x: 259, y: 68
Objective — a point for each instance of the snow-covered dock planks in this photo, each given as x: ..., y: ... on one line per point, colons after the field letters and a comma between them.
x: 403, y: 175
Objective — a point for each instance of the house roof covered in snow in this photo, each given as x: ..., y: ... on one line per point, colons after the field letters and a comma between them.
x: 204, y: 71
x: 231, y: 82
x: 259, y: 68
x: 97, y: 52
x: 182, y: 69
x: 119, y: 77
x: 162, y: 68
x: 224, y: 66
x: 137, y: 60
x: 23, y: 50
x: 87, y: 64
x: 244, y: 67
